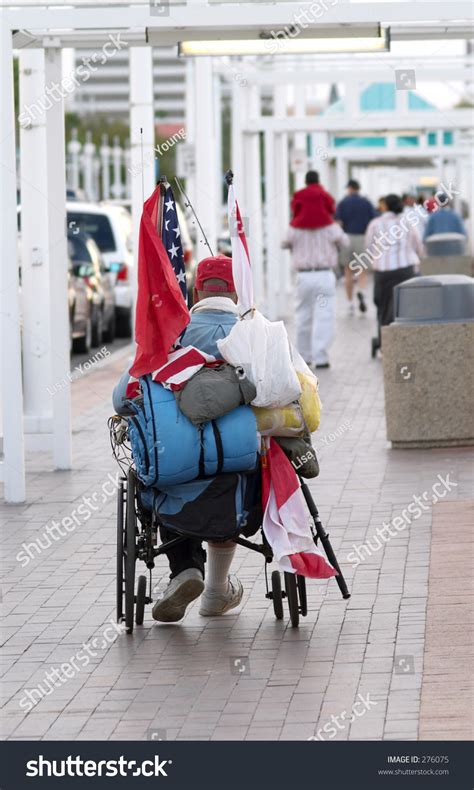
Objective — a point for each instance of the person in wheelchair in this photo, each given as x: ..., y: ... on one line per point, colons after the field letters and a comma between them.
x: 212, y: 317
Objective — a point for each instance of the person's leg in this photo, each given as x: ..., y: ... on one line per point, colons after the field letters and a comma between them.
x: 324, y: 306
x: 358, y: 246
x: 349, y: 284
x: 186, y: 561
x: 304, y: 315
x: 222, y: 592
x: 345, y: 256
x: 188, y: 554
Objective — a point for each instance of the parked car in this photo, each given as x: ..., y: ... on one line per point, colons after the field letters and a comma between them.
x: 88, y: 266
x: 80, y: 313
x: 110, y: 226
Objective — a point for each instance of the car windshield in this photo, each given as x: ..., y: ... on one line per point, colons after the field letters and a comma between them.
x: 96, y: 225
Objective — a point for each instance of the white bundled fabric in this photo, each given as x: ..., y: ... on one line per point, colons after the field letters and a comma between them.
x: 262, y: 349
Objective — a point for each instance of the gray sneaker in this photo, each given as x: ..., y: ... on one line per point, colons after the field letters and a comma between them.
x: 214, y: 604
x: 184, y: 588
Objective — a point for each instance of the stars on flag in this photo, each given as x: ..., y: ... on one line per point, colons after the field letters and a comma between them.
x: 171, y: 238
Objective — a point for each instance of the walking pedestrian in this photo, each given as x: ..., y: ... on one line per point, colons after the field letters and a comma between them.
x: 314, y: 258
x: 312, y: 207
x: 445, y: 232
x: 354, y: 213
x: 394, y: 260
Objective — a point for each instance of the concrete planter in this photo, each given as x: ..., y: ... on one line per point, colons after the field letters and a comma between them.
x: 429, y: 384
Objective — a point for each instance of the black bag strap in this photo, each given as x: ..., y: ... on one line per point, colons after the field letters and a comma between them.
x: 219, y: 447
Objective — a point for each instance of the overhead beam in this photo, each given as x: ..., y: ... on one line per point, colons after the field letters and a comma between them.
x: 367, y: 122
x: 252, y: 15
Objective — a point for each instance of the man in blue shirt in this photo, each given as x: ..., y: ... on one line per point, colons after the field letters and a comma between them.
x: 445, y: 232
x: 354, y: 212
x: 212, y: 317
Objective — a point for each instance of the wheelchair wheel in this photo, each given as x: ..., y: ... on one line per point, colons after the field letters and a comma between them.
x: 120, y: 556
x: 277, y: 596
x: 130, y: 553
x: 140, y: 600
x: 292, y: 595
x: 301, y: 582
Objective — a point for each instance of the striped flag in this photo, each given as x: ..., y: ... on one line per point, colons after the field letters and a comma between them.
x: 241, y: 269
x: 182, y: 363
x: 286, y: 519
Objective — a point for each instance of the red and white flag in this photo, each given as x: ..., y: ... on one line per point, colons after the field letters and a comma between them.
x: 181, y: 365
x: 241, y: 269
x: 286, y: 518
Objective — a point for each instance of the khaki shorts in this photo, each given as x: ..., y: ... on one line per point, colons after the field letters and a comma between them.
x: 356, y: 245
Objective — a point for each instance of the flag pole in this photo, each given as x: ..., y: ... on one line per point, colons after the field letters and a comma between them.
x: 189, y: 204
x: 143, y: 177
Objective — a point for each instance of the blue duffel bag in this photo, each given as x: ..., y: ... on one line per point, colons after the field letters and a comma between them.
x: 168, y: 449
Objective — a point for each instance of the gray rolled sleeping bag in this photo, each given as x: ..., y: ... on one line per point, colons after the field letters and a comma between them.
x: 213, y: 392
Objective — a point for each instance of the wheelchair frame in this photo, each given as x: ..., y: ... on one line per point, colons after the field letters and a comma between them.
x: 137, y: 534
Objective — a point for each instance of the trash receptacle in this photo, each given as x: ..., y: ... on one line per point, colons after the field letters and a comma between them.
x: 428, y: 363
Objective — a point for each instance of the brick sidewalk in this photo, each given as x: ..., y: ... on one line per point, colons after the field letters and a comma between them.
x: 182, y: 681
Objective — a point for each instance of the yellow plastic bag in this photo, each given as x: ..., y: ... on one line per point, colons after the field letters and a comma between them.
x: 291, y: 420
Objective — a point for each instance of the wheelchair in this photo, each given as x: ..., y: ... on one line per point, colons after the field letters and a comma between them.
x: 138, y: 530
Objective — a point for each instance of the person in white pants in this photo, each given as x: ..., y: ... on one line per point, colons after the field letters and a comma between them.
x: 314, y: 257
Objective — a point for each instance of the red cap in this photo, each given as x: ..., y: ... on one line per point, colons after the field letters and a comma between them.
x: 219, y: 268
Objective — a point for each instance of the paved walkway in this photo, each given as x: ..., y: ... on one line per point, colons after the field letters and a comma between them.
x: 243, y: 676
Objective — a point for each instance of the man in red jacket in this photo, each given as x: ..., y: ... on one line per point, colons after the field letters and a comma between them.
x: 312, y: 207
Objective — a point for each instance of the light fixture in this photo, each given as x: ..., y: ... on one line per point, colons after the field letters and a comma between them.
x: 290, y: 42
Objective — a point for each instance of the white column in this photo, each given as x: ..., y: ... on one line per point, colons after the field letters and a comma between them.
x: 74, y: 149
x: 320, y: 157
x: 282, y: 207
x: 218, y: 132
x: 272, y: 195
x: 58, y: 267
x: 253, y: 196
x: 190, y: 111
x: 39, y: 385
x: 88, y: 167
x: 12, y: 469
x: 105, y: 167
x: 299, y: 138
x: 342, y: 175
x: 116, y: 168
x: 238, y: 123
x: 205, y: 199
x: 142, y: 159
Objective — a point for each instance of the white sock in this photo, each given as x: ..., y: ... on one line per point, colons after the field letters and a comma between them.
x: 217, y: 570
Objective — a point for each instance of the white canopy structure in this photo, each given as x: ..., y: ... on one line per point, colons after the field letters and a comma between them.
x: 34, y: 332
